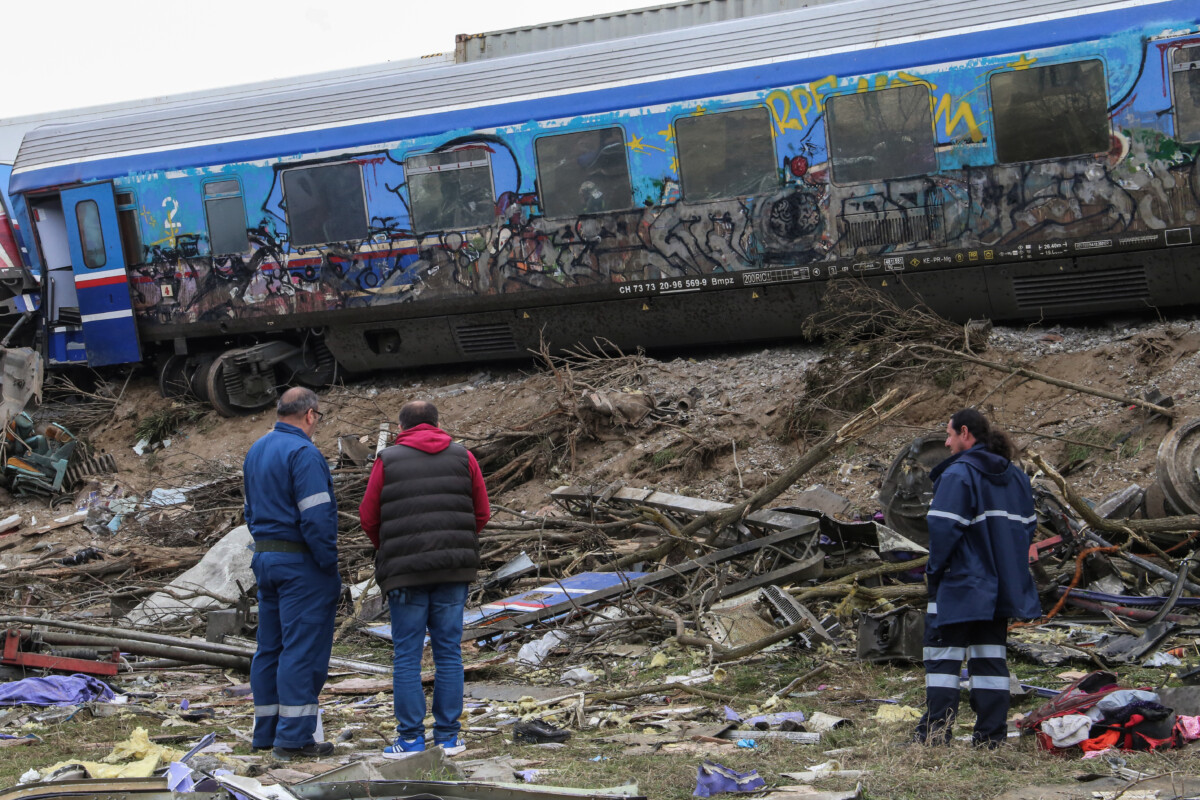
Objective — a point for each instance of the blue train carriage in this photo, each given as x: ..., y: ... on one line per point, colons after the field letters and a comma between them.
x: 691, y: 187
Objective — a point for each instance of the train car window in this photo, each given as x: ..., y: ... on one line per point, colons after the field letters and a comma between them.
x: 1185, y: 81
x: 91, y: 236
x: 451, y: 191
x: 880, y: 135
x: 1055, y: 111
x: 325, y: 203
x: 226, y: 215
x: 728, y: 154
x: 583, y: 173
x: 127, y: 223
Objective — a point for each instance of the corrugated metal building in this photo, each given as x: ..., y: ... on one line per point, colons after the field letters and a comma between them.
x: 618, y: 25
x: 469, y: 47
x: 849, y: 25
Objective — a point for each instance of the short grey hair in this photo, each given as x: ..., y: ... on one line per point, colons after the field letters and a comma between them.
x: 418, y: 412
x: 296, y: 401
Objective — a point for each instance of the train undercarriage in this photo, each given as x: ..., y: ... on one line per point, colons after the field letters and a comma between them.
x: 242, y: 379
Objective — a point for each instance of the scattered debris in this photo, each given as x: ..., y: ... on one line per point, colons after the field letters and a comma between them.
x: 618, y: 610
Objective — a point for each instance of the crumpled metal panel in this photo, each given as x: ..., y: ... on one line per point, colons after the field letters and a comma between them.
x: 117, y: 789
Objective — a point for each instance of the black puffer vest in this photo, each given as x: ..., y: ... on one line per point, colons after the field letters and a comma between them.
x: 427, y: 519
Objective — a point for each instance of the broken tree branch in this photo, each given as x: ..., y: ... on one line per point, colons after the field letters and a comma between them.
x: 1169, y: 413
x: 1128, y: 527
x: 803, y: 679
x: 857, y: 426
x: 880, y: 569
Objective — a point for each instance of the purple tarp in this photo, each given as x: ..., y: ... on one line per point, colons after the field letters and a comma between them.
x: 713, y: 778
x: 55, y: 690
x: 773, y: 720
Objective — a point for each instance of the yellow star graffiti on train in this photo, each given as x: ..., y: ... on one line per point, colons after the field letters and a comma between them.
x: 637, y: 145
x: 700, y: 110
x: 1024, y: 62
x: 668, y: 134
x: 674, y: 167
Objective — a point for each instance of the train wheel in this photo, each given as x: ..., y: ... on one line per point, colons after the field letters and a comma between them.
x: 316, y: 367
x: 172, y: 377
x: 198, y: 378
x: 218, y: 392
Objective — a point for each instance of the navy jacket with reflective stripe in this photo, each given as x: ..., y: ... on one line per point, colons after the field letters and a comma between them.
x: 981, y: 524
x: 289, y: 493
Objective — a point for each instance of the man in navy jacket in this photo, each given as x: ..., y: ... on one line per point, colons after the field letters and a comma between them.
x: 292, y: 516
x: 981, y: 524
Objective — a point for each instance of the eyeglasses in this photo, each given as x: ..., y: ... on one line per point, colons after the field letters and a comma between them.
x: 319, y: 414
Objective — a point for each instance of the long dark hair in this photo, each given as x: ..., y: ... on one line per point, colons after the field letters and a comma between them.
x: 984, y: 432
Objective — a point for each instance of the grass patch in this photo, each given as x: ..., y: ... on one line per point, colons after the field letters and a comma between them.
x: 163, y: 424
x: 81, y: 737
x: 663, y: 457
x: 1090, y: 444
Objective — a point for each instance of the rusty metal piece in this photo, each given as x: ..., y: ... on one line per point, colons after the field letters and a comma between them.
x: 1178, y: 467
x: 14, y: 655
x: 736, y: 622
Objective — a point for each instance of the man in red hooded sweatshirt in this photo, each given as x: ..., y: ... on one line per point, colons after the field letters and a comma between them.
x: 424, y: 507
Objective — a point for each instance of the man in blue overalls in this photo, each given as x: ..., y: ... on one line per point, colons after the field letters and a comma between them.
x: 981, y: 523
x: 293, y: 518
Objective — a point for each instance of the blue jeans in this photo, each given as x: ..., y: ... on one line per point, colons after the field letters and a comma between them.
x: 438, y: 608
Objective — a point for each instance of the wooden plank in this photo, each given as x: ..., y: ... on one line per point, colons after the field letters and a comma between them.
x: 680, y: 504
x: 14, y: 538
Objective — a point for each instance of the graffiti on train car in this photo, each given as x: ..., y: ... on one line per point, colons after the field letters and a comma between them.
x: 1147, y: 181
x: 798, y: 107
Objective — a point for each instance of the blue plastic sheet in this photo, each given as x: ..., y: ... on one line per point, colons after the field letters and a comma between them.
x: 54, y: 690
x: 713, y: 778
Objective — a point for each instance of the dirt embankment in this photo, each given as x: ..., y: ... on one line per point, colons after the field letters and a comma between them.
x: 725, y: 422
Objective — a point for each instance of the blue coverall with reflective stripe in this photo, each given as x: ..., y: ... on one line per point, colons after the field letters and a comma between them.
x: 981, y: 523
x: 289, y: 497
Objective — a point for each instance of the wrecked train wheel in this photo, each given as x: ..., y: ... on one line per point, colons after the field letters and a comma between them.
x: 198, y: 378
x: 216, y: 387
x: 1177, y: 463
x: 313, y: 366
x: 172, y: 377
x: 906, y: 489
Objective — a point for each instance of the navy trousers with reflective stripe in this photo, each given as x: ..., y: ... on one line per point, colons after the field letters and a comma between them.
x: 982, y: 644
x: 296, y: 605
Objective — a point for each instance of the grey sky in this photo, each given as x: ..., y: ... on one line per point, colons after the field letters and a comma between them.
x: 75, y: 53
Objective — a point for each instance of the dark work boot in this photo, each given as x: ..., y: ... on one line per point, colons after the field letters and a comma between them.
x: 310, y: 750
x: 537, y: 732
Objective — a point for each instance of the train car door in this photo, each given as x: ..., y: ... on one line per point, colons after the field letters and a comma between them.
x: 101, y: 282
